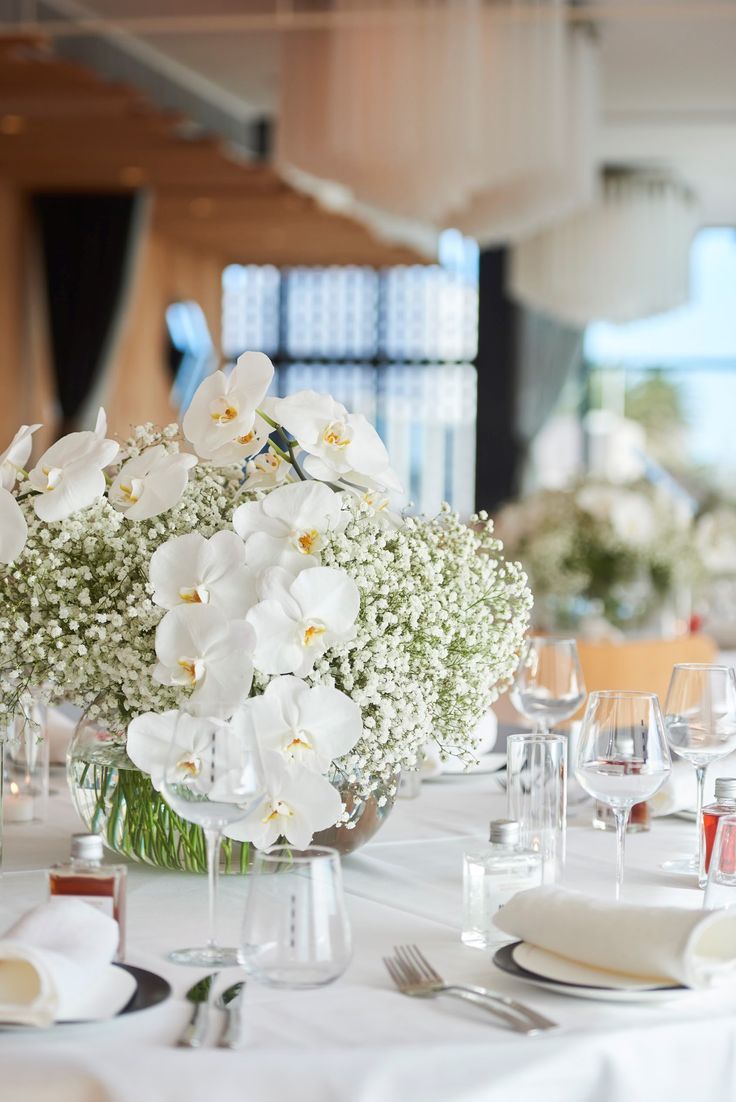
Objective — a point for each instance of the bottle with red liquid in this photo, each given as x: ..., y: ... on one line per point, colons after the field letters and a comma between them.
x: 725, y: 804
x: 84, y: 876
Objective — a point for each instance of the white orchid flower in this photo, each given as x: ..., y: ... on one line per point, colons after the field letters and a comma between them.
x: 151, y: 483
x: 198, y: 648
x: 298, y: 618
x: 266, y: 471
x: 190, y: 570
x: 68, y: 476
x: 13, y: 527
x: 633, y: 519
x: 16, y: 455
x: 290, y: 526
x: 155, y: 739
x: 297, y: 803
x: 378, y: 503
x: 221, y: 422
x: 308, y: 725
x: 339, y: 445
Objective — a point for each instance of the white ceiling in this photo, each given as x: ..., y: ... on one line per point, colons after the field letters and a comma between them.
x: 668, y: 78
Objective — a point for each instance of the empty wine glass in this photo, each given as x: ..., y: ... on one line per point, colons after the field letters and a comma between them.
x: 295, y: 929
x: 211, y: 778
x: 548, y: 686
x: 623, y: 757
x: 700, y: 717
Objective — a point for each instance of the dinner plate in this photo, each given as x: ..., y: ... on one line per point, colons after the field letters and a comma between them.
x: 453, y: 767
x: 554, y: 973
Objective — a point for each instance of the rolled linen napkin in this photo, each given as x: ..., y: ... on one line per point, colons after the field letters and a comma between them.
x: 679, y: 793
x: 485, y: 734
x: 693, y: 947
x: 59, y: 729
x: 51, y: 959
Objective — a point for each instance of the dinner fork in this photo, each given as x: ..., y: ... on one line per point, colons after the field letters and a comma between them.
x: 414, y: 975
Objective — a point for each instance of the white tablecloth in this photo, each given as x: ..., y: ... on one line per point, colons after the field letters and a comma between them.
x: 359, y: 1039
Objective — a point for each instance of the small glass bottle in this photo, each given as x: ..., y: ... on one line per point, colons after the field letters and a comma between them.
x: 84, y: 876
x: 725, y: 804
x: 490, y: 877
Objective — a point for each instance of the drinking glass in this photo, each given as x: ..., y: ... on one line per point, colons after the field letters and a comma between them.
x: 295, y: 929
x: 700, y: 717
x: 720, y: 890
x: 548, y: 686
x: 536, y: 797
x: 211, y: 778
x: 623, y: 757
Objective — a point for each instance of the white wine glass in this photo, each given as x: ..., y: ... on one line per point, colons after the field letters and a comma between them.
x: 211, y: 778
x: 700, y: 718
x: 623, y: 757
x: 548, y: 685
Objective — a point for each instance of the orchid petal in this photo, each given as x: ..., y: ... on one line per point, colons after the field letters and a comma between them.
x: 13, y: 527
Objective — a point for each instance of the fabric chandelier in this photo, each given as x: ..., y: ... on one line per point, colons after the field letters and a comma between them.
x: 625, y: 257
x: 474, y: 113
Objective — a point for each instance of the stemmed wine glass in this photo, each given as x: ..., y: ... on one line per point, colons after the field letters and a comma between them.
x: 700, y: 717
x: 211, y: 778
x: 623, y: 757
x: 548, y: 686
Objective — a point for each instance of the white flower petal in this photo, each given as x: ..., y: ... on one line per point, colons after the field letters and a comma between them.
x: 222, y: 413
x: 329, y: 595
x: 278, y: 649
x: 13, y: 527
x: 190, y: 569
x: 16, y: 455
x: 298, y: 803
x: 78, y: 486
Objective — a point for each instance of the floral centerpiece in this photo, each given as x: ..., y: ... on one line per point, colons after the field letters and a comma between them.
x: 620, y: 549
x: 246, y: 567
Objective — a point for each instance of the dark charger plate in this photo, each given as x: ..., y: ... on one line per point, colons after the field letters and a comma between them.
x: 150, y: 990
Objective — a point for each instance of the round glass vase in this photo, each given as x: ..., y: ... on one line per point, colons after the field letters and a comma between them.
x: 117, y: 801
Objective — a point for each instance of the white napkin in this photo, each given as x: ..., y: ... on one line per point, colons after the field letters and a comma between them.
x: 51, y: 959
x: 59, y: 731
x: 485, y: 734
x: 694, y: 947
x: 679, y: 793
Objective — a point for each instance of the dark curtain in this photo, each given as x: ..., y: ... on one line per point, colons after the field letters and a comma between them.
x: 524, y: 360
x: 498, y: 451
x: 87, y: 244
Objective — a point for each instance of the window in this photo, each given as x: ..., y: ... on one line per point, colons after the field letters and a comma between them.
x: 395, y: 345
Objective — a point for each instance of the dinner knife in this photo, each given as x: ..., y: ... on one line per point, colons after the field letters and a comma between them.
x: 230, y: 1001
x: 195, y: 1033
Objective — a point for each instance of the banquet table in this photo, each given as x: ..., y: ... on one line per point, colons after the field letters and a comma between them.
x: 359, y: 1038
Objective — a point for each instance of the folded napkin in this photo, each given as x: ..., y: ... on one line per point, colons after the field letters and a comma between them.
x: 679, y: 793
x: 59, y: 730
x: 693, y: 947
x: 51, y: 959
x: 485, y: 735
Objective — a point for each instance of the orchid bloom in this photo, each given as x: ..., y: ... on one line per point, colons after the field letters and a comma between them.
x: 290, y: 526
x: 308, y: 725
x: 151, y: 483
x: 69, y: 475
x: 221, y: 423
x: 633, y: 519
x: 16, y: 455
x: 339, y: 445
x: 190, y: 570
x: 297, y: 803
x: 298, y: 618
x: 198, y: 648
x: 13, y: 527
x: 266, y: 471
x: 378, y: 503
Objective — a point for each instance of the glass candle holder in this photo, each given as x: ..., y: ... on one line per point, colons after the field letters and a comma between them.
x: 536, y: 771
x: 26, y: 763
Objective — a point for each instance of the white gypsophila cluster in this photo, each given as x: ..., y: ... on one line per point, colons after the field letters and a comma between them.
x: 441, y: 622
x: 76, y: 612
x: 595, y: 537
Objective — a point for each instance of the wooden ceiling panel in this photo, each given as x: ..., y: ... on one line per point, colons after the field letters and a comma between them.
x: 63, y: 128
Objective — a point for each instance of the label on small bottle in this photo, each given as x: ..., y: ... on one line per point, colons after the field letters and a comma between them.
x: 102, y: 903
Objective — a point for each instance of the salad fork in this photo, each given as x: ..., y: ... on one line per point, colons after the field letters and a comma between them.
x: 414, y: 975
